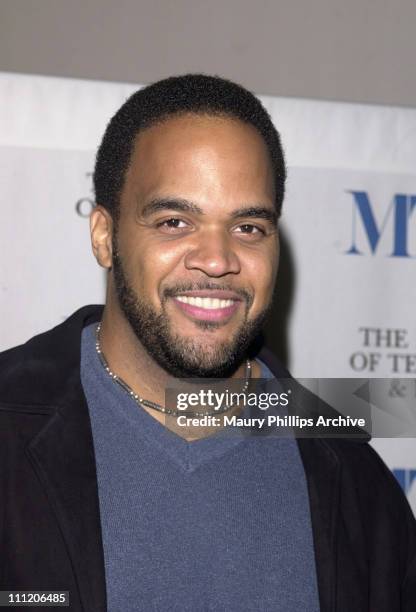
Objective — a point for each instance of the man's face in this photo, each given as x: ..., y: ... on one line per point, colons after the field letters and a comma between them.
x: 195, y: 252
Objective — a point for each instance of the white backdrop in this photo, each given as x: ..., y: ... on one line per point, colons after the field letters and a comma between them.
x: 349, y: 217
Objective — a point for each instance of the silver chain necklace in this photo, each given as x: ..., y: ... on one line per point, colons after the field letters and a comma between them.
x: 148, y: 403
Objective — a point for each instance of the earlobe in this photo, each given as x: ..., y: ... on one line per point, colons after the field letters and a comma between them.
x: 101, y: 228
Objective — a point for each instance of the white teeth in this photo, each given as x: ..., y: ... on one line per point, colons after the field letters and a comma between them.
x: 205, y: 302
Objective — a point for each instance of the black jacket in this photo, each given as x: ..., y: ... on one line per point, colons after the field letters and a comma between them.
x: 50, y: 535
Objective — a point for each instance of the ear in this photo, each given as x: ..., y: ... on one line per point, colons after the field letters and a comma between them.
x: 101, y: 230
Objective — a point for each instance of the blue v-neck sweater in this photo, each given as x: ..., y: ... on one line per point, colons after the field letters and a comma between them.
x: 218, y: 524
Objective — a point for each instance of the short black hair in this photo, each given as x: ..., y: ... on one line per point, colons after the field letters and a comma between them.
x: 190, y: 93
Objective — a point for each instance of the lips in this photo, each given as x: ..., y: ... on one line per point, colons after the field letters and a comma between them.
x: 208, y: 305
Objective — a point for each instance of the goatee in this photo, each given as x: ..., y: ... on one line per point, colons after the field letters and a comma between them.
x: 178, y: 356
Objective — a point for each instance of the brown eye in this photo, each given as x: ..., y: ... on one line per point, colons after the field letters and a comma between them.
x: 248, y: 228
x: 172, y: 224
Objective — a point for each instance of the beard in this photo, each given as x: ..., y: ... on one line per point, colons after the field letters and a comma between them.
x: 179, y: 356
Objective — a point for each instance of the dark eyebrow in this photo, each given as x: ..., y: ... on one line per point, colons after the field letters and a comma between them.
x: 158, y: 204
x: 167, y: 204
x: 258, y: 212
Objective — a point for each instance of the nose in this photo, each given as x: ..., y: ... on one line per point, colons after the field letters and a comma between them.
x: 214, y: 255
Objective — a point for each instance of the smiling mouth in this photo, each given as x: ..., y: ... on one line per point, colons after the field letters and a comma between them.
x: 207, y: 308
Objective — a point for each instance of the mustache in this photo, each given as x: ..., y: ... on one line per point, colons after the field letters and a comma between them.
x: 180, y: 288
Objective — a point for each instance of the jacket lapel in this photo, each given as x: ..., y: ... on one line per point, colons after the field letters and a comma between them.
x: 63, y: 458
x: 62, y: 452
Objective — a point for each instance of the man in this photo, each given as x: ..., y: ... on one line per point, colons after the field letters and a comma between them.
x: 99, y: 498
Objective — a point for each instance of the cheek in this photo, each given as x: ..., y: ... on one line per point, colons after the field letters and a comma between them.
x: 153, y: 264
x: 265, y: 278
x: 261, y: 275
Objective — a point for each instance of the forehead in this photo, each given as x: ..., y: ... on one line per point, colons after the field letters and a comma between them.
x: 209, y: 155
